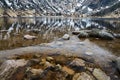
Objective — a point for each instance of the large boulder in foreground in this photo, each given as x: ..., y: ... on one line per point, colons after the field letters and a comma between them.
x: 118, y: 63
x: 9, y: 67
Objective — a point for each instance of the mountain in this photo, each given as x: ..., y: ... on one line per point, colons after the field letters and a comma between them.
x: 59, y: 7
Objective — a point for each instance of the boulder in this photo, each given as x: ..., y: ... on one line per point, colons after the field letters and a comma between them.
x: 83, y: 34
x: 33, y: 73
x: 118, y: 63
x: 100, y: 75
x: 66, y: 37
x: 103, y: 34
x: 82, y: 76
x: 106, y: 35
x: 94, y: 33
x: 68, y: 70
x: 117, y: 35
x: 77, y: 62
x: 9, y: 67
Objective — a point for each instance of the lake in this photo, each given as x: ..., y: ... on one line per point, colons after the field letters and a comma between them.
x: 47, y: 29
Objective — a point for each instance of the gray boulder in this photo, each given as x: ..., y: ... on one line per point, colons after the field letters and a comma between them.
x: 103, y: 34
x: 83, y: 34
x: 106, y: 35
x: 117, y: 35
x: 118, y: 63
x: 100, y: 75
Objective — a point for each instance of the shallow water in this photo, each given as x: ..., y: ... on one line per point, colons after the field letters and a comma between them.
x: 47, y: 29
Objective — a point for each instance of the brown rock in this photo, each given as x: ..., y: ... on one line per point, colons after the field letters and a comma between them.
x: 36, y: 71
x: 33, y: 74
x: 77, y: 62
x: 68, y: 70
x: 9, y: 67
x: 49, y: 59
x: 48, y: 64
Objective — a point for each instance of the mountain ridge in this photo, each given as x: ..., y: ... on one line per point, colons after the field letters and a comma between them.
x: 77, y: 8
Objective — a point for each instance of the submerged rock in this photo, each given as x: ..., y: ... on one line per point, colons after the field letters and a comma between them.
x: 66, y: 37
x: 100, y: 75
x: 88, y: 53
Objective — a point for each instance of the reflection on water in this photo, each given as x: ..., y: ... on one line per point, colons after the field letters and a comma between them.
x: 47, y: 29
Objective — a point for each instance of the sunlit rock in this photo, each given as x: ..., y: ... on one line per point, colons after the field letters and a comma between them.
x: 9, y: 67
x: 29, y: 37
x: 82, y: 76
x: 66, y: 37
x: 100, y: 75
x: 77, y: 62
x: 32, y: 73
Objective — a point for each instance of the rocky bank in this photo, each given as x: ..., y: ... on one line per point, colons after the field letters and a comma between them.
x: 65, y: 59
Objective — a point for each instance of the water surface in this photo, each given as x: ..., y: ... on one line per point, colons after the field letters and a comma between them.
x: 47, y: 29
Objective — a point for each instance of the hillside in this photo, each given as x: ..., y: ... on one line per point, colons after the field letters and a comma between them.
x: 78, y: 8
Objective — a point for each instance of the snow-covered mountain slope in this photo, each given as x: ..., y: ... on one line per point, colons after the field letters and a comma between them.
x: 60, y: 7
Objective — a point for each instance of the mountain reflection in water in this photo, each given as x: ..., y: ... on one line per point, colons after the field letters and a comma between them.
x: 47, y: 29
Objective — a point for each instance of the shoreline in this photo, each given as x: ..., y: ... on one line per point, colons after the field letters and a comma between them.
x: 74, y: 58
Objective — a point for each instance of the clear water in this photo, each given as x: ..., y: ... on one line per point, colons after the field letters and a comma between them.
x: 47, y: 29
